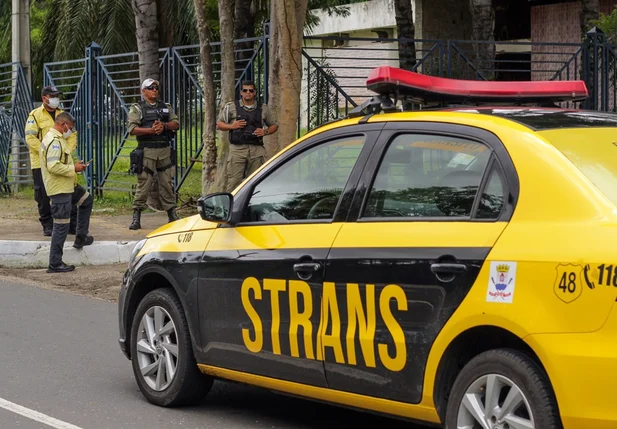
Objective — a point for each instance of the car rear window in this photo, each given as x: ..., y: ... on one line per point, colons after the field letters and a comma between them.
x: 549, y: 119
x: 593, y: 152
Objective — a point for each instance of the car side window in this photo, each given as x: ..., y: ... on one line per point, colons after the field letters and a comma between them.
x: 307, y: 186
x: 428, y: 176
x: 493, y: 196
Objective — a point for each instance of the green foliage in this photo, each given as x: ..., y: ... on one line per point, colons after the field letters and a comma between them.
x: 608, y: 24
x: 325, y: 107
x: 5, y: 32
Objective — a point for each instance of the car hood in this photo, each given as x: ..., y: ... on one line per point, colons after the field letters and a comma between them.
x: 190, y: 223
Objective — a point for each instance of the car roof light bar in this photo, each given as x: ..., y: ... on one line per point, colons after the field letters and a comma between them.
x: 390, y: 81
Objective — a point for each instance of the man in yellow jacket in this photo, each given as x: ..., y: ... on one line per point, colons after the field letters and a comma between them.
x: 38, y: 124
x: 60, y: 180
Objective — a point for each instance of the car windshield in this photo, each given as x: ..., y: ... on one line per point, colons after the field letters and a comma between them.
x: 593, y: 151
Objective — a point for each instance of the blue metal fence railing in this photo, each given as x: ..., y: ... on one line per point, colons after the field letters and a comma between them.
x: 70, y: 77
x: 99, y: 89
x: 15, y: 106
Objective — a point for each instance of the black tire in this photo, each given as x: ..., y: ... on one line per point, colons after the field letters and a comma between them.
x: 189, y: 384
x: 524, y: 372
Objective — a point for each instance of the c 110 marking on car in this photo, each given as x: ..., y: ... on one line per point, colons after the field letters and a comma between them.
x: 568, y: 282
x: 185, y: 237
x: 602, y: 275
x: 362, y: 322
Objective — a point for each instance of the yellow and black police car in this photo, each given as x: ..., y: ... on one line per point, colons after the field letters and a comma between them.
x: 453, y: 265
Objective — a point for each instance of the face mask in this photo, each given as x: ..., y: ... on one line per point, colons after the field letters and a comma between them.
x: 53, y: 102
x: 67, y: 134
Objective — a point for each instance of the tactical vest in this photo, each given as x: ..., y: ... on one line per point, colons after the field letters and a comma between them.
x: 149, y: 114
x: 253, y: 121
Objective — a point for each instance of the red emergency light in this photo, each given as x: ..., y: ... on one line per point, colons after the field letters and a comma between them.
x: 392, y: 81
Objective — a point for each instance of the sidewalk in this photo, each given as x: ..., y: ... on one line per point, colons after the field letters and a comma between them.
x: 23, y: 245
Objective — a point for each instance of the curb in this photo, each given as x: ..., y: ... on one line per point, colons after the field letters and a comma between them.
x: 35, y: 254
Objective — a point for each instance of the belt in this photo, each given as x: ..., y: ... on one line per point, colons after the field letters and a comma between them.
x: 153, y: 145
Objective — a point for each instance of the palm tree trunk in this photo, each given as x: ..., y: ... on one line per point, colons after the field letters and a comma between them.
x: 147, y: 38
x: 227, y: 86
x: 209, y: 136
x: 483, y: 24
x: 406, y: 30
x: 290, y: 15
x: 590, y: 10
x: 274, y: 80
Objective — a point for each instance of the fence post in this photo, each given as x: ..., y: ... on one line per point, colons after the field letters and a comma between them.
x: 266, y: 51
x: 92, y: 110
x: 592, y: 51
x: 170, y: 96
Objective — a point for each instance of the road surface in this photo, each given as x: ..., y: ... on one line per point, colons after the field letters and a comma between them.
x: 61, y: 368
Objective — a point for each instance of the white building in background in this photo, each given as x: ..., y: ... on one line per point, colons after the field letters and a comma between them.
x: 352, y: 60
x: 434, y: 20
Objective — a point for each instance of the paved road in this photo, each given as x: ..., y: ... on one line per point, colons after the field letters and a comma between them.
x: 60, y: 364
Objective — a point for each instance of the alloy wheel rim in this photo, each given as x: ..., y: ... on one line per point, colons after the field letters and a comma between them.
x: 157, y: 348
x: 494, y: 402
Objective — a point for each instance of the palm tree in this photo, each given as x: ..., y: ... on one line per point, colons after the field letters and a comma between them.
x: 590, y: 11
x: 5, y: 32
x: 483, y: 24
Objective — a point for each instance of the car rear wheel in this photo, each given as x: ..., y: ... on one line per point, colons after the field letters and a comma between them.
x: 163, y: 360
x: 502, y: 389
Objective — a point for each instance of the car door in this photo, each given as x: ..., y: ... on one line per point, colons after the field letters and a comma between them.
x: 261, y: 279
x: 428, y: 209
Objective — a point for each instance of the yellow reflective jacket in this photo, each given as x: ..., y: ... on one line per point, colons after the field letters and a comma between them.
x: 37, y: 125
x: 57, y: 166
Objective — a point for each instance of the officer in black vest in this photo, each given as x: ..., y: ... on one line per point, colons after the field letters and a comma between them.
x: 153, y: 122
x: 248, y: 122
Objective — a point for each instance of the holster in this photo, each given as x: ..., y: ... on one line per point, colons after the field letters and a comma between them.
x: 174, y: 156
x: 137, y: 161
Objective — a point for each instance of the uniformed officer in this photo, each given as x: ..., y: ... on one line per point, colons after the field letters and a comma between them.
x: 247, y: 121
x: 60, y: 179
x: 153, y: 122
x: 38, y: 124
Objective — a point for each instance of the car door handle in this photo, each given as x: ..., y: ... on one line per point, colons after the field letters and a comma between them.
x: 307, y: 267
x: 445, y: 268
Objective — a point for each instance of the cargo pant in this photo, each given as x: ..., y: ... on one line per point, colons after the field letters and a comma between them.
x: 61, y: 206
x: 156, y: 160
x: 243, y: 160
x: 43, y: 202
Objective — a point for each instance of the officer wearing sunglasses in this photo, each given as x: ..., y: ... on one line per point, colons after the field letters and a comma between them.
x: 247, y: 121
x: 153, y: 123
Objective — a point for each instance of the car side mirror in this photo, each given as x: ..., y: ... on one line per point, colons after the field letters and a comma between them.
x: 216, y: 207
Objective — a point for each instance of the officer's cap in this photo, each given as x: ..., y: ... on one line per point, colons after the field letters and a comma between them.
x: 148, y: 82
x: 50, y: 90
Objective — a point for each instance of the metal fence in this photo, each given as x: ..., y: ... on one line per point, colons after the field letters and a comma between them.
x: 98, y: 90
x: 15, y: 105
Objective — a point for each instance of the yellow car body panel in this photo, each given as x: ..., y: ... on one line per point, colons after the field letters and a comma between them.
x: 561, y: 241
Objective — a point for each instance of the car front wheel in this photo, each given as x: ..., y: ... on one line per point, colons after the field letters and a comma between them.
x: 502, y: 389
x: 163, y: 360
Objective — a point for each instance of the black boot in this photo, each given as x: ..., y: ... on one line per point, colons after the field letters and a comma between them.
x: 136, y: 220
x: 171, y: 214
x: 62, y: 268
x: 48, y: 228
x: 83, y: 240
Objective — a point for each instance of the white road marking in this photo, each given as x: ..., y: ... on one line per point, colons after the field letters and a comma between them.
x: 35, y: 415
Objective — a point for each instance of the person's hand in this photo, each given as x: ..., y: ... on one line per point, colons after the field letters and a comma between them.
x: 80, y: 166
x: 260, y: 132
x: 158, y: 127
x: 238, y: 124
